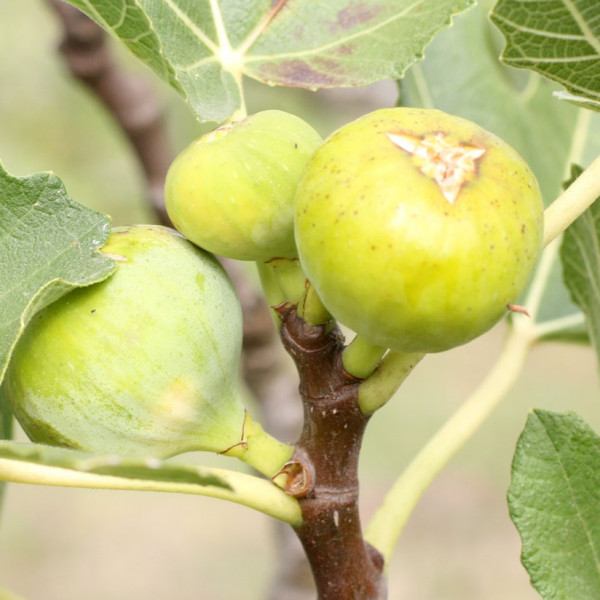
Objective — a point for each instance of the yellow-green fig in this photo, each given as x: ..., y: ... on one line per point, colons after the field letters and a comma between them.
x: 417, y: 228
x: 144, y: 363
x: 231, y: 192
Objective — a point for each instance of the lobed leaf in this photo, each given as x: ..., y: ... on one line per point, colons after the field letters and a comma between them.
x: 559, y: 39
x: 48, y: 246
x: 554, y: 501
x: 204, y: 47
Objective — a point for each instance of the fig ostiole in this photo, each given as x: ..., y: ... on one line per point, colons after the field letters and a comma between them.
x: 231, y: 191
x: 417, y: 228
x: 144, y: 363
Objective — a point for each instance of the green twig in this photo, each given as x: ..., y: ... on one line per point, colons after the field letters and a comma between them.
x: 361, y: 357
x: 261, y: 450
x: 388, y: 522
x: 375, y: 391
x: 572, y: 202
x: 312, y: 309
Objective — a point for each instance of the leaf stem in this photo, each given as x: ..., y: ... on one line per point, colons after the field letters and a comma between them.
x: 254, y: 492
x: 572, y: 202
x: 388, y: 522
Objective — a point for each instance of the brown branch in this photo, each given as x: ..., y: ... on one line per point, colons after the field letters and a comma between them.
x: 323, y: 472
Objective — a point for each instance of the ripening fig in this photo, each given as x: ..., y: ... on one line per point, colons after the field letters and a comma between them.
x: 144, y: 363
x: 417, y: 228
x: 231, y: 192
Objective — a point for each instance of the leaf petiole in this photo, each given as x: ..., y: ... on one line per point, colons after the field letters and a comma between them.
x: 41, y: 465
x: 572, y: 202
x: 388, y: 522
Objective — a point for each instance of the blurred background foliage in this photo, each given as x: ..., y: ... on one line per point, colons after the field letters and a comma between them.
x: 460, y: 544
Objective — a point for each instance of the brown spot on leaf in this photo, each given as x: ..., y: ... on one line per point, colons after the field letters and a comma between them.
x: 357, y: 14
x: 297, y: 73
x: 345, y: 50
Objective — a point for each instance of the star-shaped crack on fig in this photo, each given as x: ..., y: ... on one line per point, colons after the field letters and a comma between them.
x: 449, y: 163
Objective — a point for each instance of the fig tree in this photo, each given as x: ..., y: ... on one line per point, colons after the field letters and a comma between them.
x: 144, y: 363
x: 417, y: 228
x: 231, y: 191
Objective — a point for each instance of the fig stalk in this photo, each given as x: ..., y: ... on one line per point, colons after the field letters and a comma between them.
x: 260, y: 450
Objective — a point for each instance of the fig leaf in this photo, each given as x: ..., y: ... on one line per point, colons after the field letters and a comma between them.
x: 563, y: 44
x: 203, y: 48
x: 581, y: 266
x: 554, y: 502
x: 48, y: 246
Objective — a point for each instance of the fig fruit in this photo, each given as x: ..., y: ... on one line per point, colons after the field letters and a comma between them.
x: 417, y: 228
x: 231, y: 192
x: 144, y: 363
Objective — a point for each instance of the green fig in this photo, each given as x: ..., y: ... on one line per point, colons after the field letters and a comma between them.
x: 231, y: 191
x: 144, y: 363
x: 417, y: 228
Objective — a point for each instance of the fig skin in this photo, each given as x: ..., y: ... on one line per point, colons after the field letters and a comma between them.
x: 394, y: 258
x: 231, y: 191
x: 144, y: 363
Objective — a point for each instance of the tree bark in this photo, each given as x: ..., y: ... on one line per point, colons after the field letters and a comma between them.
x: 323, y: 473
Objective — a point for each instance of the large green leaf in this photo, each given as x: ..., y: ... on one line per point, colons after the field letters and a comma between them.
x: 48, y: 246
x: 580, y: 255
x: 204, y: 47
x: 559, y: 39
x: 554, y: 501
x: 462, y: 75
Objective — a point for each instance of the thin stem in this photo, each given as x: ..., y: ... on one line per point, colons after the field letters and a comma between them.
x: 540, y: 280
x: 388, y: 523
x: 579, y: 196
x: 361, y: 357
x: 312, y: 309
x: 375, y: 391
x: 290, y: 277
x: 272, y: 291
x: 559, y: 325
x: 261, y: 450
x: 254, y: 492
